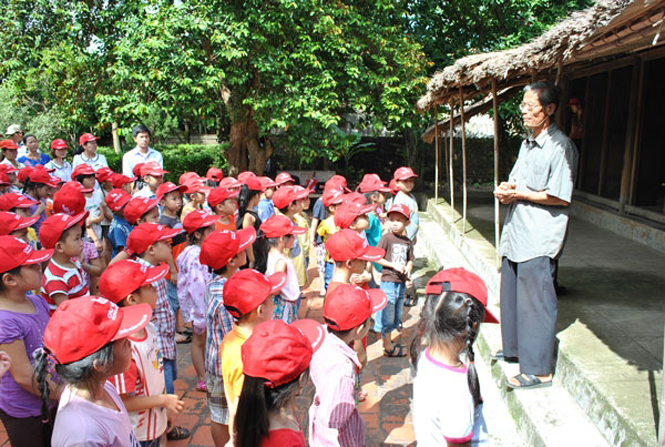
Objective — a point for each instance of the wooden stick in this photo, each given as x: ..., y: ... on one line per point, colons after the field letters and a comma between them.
x: 464, y: 192
x: 451, y: 173
x: 497, y: 226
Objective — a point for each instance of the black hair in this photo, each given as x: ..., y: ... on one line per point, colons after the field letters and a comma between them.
x: 30, y: 186
x: 15, y: 271
x: 285, y: 209
x: 81, y: 373
x: 368, y: 195
x: 340, y: 333
x: 140, y: 128
x: 25, y: 137
x: 79, y: 178
x: 256, y: 401
x: 274, y: 241
x: 246, y: 195
x: 547, y: 93
x: 123, y: 302
x: 220, y: 271
x: 212, y: 183
x: 449, y: 318
x: 191, y: 237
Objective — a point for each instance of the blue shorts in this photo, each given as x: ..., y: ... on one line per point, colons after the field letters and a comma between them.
x: 173, y: 296
x: 170, y: 374
x: 391, y: 315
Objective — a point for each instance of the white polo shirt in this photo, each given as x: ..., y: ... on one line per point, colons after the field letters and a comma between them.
x: 135, y: 156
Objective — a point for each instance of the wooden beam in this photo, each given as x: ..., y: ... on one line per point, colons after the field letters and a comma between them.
x: 628, y: 150
x: 464, y: 191
x: 436, y: 155
x: 638, y: 134
x: 606, y: 135
x: 450, y: 167
x: 497, y: 217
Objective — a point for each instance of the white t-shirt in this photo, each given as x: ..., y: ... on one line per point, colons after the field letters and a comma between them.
x: 443, y: 409
x: 93, y: 204
x: 291, y: 290
x: 80, y: 423
x: 145, y: 377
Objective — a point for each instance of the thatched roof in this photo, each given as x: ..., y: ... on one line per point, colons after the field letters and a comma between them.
x: 596, y: 31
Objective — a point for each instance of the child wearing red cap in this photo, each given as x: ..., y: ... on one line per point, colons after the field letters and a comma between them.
x: 281, y: 233
x: 395, y: 276
x: 94, y: 204
x: 224, y: 203
x: 332, y: 197
x: 333, y: 416
x: 142, y: 209
x: 37, y: 187
x: 404, y: 179
x: 248, y: 298
x: 248, y: 199
x: 87, y: 340
x: 23, y: 318
x: 224, y: 252
x: 192, y: 279
x: 275, y: 361
x: 456, y: 304
x: 20, y: 204
x: 141, y: 388
x: 153, y: 176
x: 64, y: 276
x: 266, y: 208
x: 195, y: 195
x: 116, y: 200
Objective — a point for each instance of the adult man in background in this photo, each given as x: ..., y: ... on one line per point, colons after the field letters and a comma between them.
x: 539, y: 191
x: 142, y: 153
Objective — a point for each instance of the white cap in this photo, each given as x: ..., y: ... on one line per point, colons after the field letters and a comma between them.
x: 12, y: 129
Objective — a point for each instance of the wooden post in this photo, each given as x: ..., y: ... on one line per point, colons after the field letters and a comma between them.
x: 464, y: 192
x: 497, y: 226
x: 436, y: 155
x: 445, y: 156
x: 116, y: 139
x: 451, y: 174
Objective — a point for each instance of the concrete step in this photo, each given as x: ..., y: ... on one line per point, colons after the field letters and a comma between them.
x: 544, y: 417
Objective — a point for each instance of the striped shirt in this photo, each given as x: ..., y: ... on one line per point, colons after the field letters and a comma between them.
x: 145, y: 377
x: 163, y: 317
x: 59, y: 279
x: 218, y: 322
x: 334, y: 418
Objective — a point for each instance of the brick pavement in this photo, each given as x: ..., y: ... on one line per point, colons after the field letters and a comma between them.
x: 386, y: 380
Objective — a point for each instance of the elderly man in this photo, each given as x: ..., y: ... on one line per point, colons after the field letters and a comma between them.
x: 539, y: 191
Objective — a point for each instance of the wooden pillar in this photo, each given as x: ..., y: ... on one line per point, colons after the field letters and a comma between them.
x: 451, y: 174
x: 116, y: 139
x: 445, y: 156
x: 436, y: 155
x: 497, y: 216
x: 464, y: 192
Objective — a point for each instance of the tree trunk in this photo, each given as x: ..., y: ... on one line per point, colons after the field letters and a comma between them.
x: 237, y: 153
x: 245, y: 148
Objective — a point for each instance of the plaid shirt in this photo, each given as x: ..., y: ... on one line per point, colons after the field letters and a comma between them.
x: 218, y: 321
x: 163, y: 318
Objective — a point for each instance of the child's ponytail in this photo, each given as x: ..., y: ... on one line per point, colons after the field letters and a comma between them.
x: 471, y: 332
x: 41, y: 375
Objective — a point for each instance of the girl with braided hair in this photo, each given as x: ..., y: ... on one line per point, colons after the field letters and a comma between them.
x: 447, y: 405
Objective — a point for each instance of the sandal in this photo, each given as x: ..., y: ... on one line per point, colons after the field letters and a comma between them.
x: 498, y: 356
x: 410, y: 301
x: 182, y: 338
x: 177, y: 433
x: 527, y: 381
x: 396, y: 347
x: 201, y: 386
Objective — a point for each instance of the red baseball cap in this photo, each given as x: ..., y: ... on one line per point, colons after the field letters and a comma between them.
x: 152, y: 168
x: 58, y: 143
x: 148, y: 233
x: 82, y: 326
x: 401, y: 209
x: 355, y: 197
x: 39, y: 174
x: 8, y: 168
x: 195, y: 185
x: 120, y: 180
x: 13, y: 200
x: 136, y: 170
x: 137, y: 207
x: 283, y: 177
x: 198, y: 219
x: 301, y: 192
x: 219, y: 194
x: 10, y: 222
x: 280, y: 352
x: 4, y: 180
x: 23, y: 174
x: 229, y: 183
x: 337, y: 181
x: 267, y: 182
x: 371, y: 183
x: 404, y: 173
x: 347, y: 212
x: 247, y: 289
x: 117, y: 198
x: 284, y: 196
x: 332, y: 196
x: 8, y: 144
x: 124, y: 277
x: 462, y: 281
x: 15, y: 253
x: 76, y: 186
x: 245, y: 175
x: 86, y: 138
x: 279, y: 225
x: 393, y: 186
x: 104, y: 174
x: 83, y: 169
x: 253, y: 183
x: 168, y: 187
x: 346, y: 245
x: 54, y: 226
x: 185, y: 176
x: 349, y: 306
x: 215, y: 174
x: 220, y: 246
x: 69, y: 201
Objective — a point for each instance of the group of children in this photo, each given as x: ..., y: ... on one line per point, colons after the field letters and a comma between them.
x: 134, y: 265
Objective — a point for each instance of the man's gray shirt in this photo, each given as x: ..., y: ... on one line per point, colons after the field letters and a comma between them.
x: 531, y: 230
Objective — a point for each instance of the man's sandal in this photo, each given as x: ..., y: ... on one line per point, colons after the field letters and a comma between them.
x: 396, y: 351
x: 498, y: 356
x: 177, y: 433
x: 527, y: 381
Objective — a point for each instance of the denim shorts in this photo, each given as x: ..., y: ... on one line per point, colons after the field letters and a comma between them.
x: 391, y: 315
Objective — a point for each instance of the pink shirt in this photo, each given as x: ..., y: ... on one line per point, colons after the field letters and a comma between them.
x: 334, y: 418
